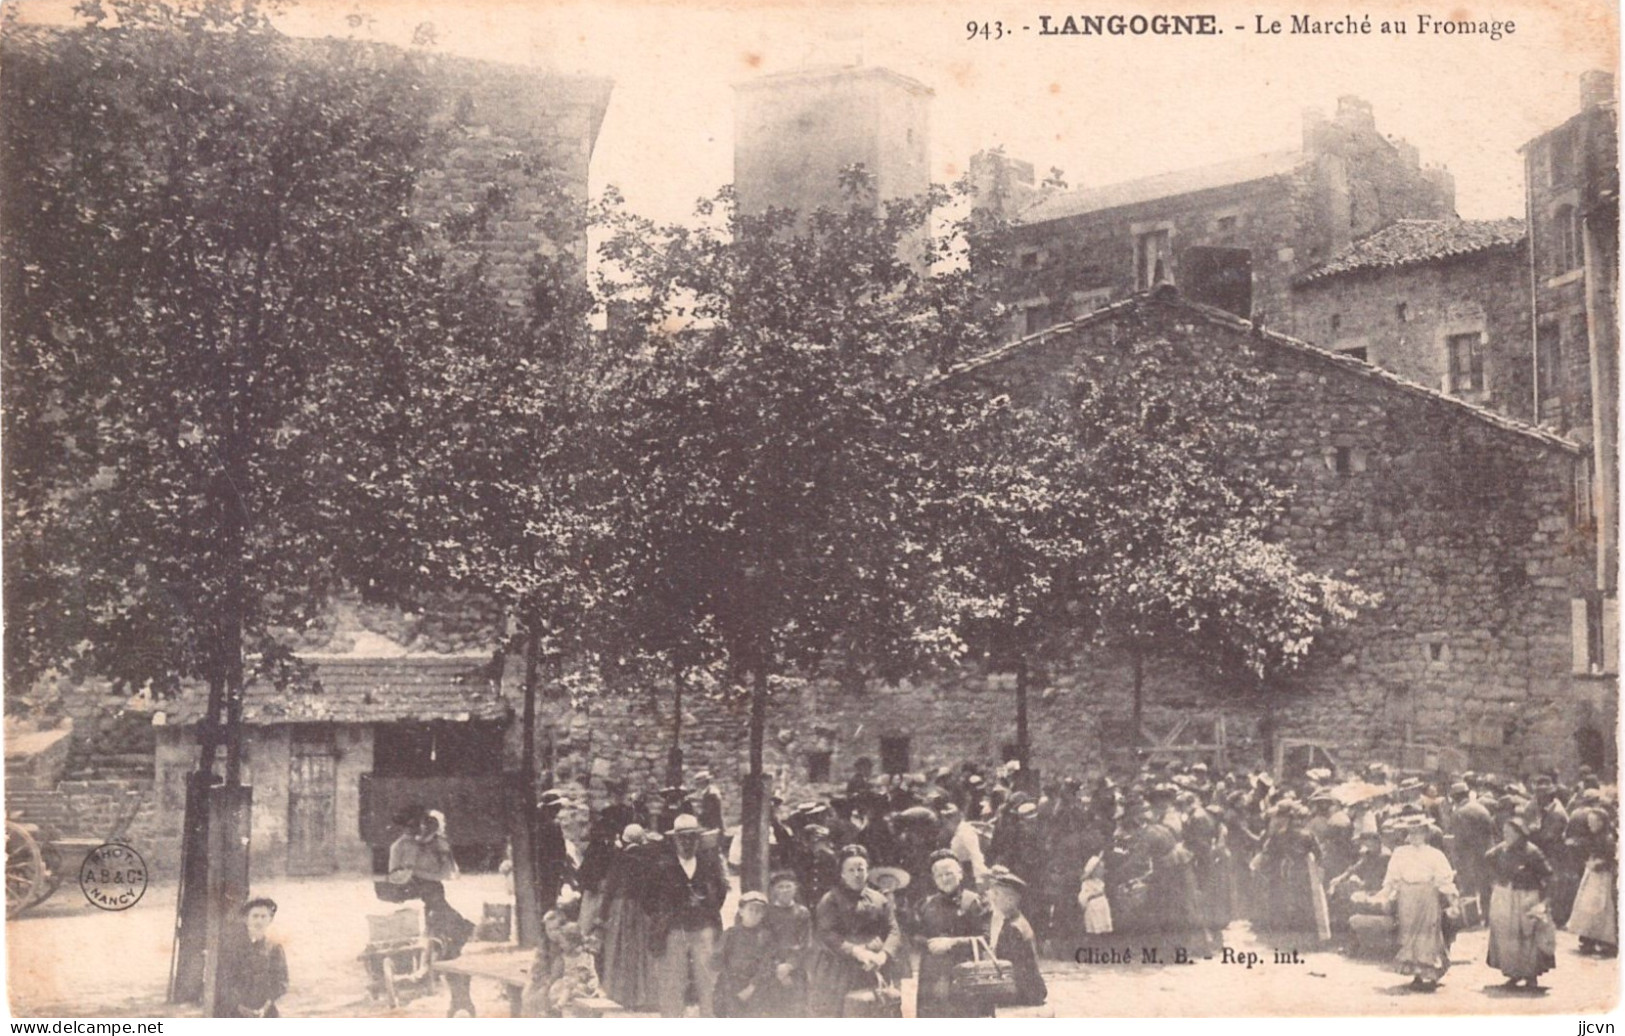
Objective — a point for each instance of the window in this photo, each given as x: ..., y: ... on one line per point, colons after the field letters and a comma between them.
x: 1465, y: 353
x: 1225, y: 224
x: 1560, y: 153
x: 818, y: 766
x: 1565, y: 240
x: 1037, y: 317
x: 1345, y: 460
x: 1436, y: 652
x: 1549, y: 358
x: 1358, y: 352
x: 1153, y: 259
x: 1091, y: 300
x: 1337, y: 322
x: 1583, y: 504
x: 1402, y: 313
x: 894, y: 754
x: 1595, y: 634
x: 1028, y: 259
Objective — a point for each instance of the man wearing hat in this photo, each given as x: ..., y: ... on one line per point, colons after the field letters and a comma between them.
x: 1011, y: 936
x: 686, y: 891
x: 552, y: 867
x: 709, y: 803
x: 1548, y: 829
x: 1472, y: 833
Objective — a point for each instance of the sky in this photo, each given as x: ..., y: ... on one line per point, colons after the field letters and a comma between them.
x: 1102, y: 109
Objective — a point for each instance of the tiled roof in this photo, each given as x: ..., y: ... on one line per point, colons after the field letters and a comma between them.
x: 1221, y: 318
x: 368, y: 690
x: 1163, y: 185
x: 1419, y: 241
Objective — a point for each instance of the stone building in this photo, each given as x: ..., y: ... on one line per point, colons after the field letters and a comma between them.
x: 309, y: 759
x: 796, y: 131
x: 332, y: 761
x: 1572, y: 177
x: 1235, y: 233
x: 1462, y: 520
x: 1443, y: 303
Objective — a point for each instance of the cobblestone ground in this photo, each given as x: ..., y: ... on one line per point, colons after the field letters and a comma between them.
x: 69, y: 959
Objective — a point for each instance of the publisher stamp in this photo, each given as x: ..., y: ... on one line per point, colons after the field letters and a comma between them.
x: 113, y: 877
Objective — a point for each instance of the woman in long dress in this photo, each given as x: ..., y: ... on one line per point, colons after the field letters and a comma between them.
x: 1595, y: 917
x: 628, y: 972
x: 855, y: 935
x: 1419, y: 877
x: 1521, y: 931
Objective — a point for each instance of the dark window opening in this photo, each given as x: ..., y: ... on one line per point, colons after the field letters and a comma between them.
x: 1560, y: 151
x: 1549, y: 357
x: 1039, y: 318
x: 436, y: 749
x: 1227, y: 223
x: 818, y: 766
x: 1402, y: 312
x: 1153, y: 259
x: 1435, y: 650
x: 1337, y: 322
x: 1566, y: 245
x: 1466, y: 356
x: 893, y: 754
x: 1343, y: 460
x: 1029, y: 260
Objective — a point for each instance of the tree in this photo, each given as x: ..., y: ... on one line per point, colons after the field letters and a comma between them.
x: 764, y: 416
x: 1122, y: 502
x: 209, y: 251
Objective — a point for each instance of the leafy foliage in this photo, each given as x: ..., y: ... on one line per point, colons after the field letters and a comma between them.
x: 213, y: 282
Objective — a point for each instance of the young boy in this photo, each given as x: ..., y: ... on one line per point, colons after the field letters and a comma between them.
x: 745, y: 972
x: 253, y: 969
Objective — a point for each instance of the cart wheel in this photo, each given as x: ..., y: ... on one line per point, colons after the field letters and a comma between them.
x: 25, y: 870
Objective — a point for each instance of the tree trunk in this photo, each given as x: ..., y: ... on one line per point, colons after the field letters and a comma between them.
x: 522, y: 816
x: 1023, y: 740
x: 674, y: 756
x: 1138, y: 719
x: 753, y: 850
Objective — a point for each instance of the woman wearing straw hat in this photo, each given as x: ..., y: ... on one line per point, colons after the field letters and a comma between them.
x: 855, y: 937
x: 1419, y: 877
x: 1521, y: 930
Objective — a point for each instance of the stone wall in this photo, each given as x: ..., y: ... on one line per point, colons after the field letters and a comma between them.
x: 1351, y: 180
x: 1457, y: 518
x: 1486, y: 291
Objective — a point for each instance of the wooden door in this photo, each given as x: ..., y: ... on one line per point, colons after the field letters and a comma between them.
x: 312, y: 790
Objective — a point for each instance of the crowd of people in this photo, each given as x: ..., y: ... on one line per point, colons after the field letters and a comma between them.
x: 964, y: 879
x: 922, y: 873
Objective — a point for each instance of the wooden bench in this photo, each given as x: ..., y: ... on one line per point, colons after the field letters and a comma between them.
x: 511, y: 968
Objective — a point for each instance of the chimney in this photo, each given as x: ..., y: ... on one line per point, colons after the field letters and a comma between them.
x: 1440, y: 177
x: 1003, y: 185
x: 1314, y: 120
x: 1355, y: 113
x: 1596, y: 89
